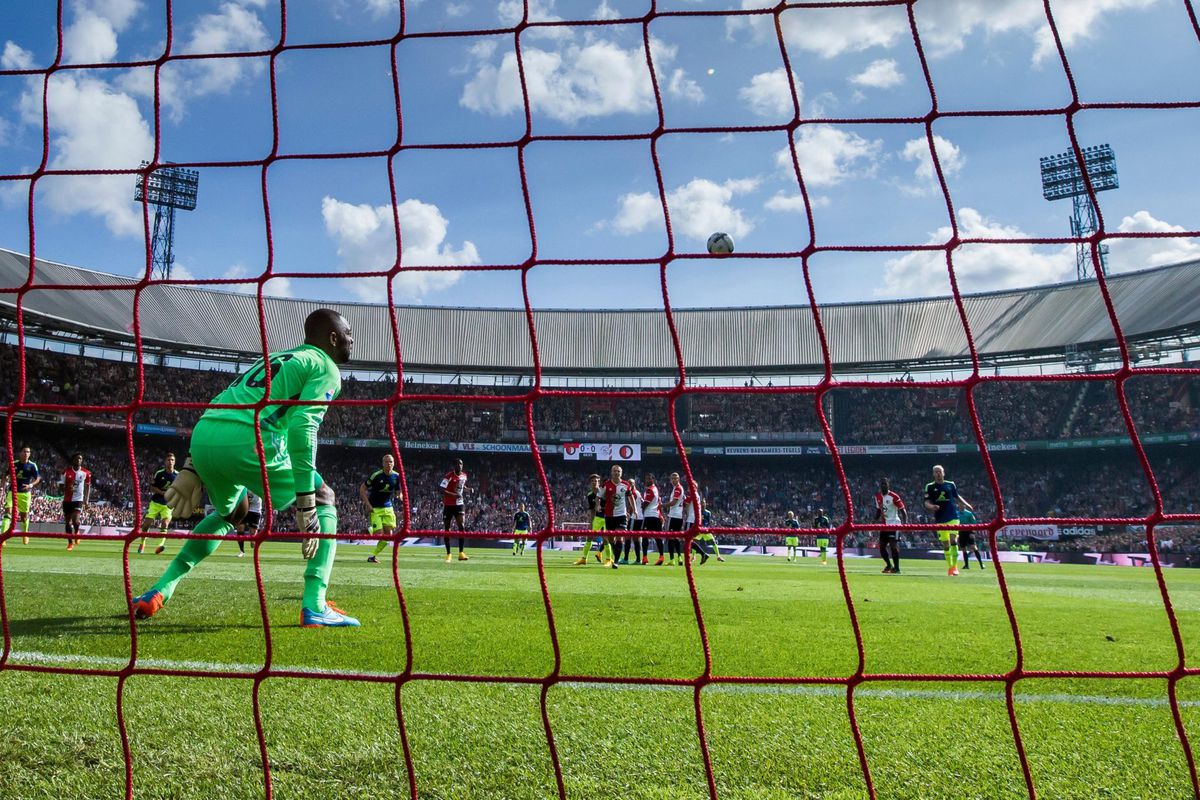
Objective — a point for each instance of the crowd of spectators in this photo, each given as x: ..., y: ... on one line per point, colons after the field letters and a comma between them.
x: 1015, y: 411
x: 741, y: 493
x: 892, y: 414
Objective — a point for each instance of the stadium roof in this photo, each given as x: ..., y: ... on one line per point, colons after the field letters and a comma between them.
x: 1158, y: 303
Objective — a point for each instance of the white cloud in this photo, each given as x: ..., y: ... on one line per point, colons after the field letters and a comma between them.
x: 784, y: 203
x: 181, y: 272
x: 568, y: 85
x: 89, y: 40
x: 882, y: 73
x: 917, y: 150
x: 697, y: 208
x: 366, y: 241
x: 979, y: 268
x: 511, y: 12
x: 685, y: 88
x: 605, y: 11
x: 828, y: 156
x: 95, y: 124
x: 91, y: 36
x: 638, y: 210
x: 945, y: 25
x: 788, y: 203
x: 827, y: 32
x: 92, y: 127
x: 234, y: 28
x: 1130, y: 254
x: 379, y: 8
x: 15, y: 57
x: 769, y: 95
x: 276, y: 287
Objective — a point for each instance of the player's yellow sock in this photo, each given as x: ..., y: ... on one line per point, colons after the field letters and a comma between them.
x: 953, y: 556
x: 380, y: 546
x: 25, y: 525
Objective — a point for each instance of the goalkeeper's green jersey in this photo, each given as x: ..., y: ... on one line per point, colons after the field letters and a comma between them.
x: 302, y: 373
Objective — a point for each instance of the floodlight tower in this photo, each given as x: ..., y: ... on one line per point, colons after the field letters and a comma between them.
x: 1062, y: 177
x: 166, y: 188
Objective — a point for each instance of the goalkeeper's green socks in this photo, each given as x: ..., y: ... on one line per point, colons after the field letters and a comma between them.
x: 380, y: 546
x: 954, y: 556
x: 320, y: 566
x: 192, y: 553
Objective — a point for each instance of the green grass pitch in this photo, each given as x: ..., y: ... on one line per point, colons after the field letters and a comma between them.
x: 195, y: 738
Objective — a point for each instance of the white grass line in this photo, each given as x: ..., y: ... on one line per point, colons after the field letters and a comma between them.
x: 70, y: 659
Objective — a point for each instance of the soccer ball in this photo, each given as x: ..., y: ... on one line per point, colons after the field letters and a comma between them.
x: 720, y: 244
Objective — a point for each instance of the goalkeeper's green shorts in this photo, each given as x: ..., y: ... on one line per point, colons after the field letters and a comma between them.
x: 225, y: 458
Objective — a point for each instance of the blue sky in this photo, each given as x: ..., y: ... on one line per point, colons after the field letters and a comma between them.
x: 868, y: 183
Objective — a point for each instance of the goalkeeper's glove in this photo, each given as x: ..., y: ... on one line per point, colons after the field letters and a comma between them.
x: 306, y: 522
x: 183, y: 495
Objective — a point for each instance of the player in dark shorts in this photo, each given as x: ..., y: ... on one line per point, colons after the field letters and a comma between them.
x: 77, y: 492
x: 890, y: 510
x: 822, y: 522
x: 616, y: 500
x: 635, y: 527
x: 453, y: 489
x: 521, y: 524
x: 966, y: 539
x: 652, y: 520
x: 250, y: 523
x: 673, y: 501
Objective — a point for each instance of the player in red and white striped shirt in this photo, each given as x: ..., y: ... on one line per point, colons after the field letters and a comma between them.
x: 889, y: 509
x: 635, y: 528
x: 616, y: 498
x: 652, y: 518
x: 77, y: 485
x: 454, y: 486
x: 674, y: 500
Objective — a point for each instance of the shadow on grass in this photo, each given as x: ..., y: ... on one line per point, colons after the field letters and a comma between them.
x: 93, y: 626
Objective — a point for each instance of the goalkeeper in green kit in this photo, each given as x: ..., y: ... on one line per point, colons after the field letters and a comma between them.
x: 224, y: 460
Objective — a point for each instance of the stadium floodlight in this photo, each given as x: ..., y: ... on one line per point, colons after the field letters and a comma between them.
x: 167, y: 189
x: 1063, y: 178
